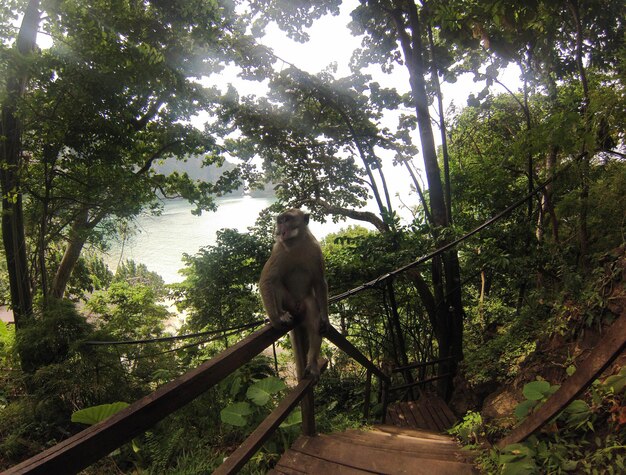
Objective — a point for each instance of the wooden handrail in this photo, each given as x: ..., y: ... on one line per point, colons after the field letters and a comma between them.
x: 264, y: 431
x: 417, y: 383
x: 610, y: 347
x: 421, y: 364
x: 343, y: 344
x: 93, y: 443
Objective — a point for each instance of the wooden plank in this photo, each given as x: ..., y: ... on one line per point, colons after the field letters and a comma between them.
x: 439, y: 419
x: 306, y: 463
x: 610, y: 347
x: 401, y: 418
x: 264, y: 431
x: 284, y: 468
x: 93, y: 443
x: 392, y: 415
x: 431, y: 423
x: 408, y: 413
x: 376, y: 459
x: 421, y: 433
x: 445, y: 411
x: 423, y: 448
x: 420, y: 421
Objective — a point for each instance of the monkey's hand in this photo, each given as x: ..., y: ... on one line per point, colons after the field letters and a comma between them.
x: 284, y: 320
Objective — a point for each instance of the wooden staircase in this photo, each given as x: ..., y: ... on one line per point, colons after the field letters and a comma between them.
x: 382, y: 449
x: 412, y: 445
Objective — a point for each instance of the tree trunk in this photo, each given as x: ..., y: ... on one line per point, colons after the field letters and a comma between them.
x: 442, y: 129
x: 76, y: 241
x: 446, y: 276
x: 10, y: 163
x: 585, y: 165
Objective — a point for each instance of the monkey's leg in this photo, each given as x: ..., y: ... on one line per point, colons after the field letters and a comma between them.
x: 321, y: 294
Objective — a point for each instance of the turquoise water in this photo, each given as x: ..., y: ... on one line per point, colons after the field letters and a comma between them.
x: 160, y: 241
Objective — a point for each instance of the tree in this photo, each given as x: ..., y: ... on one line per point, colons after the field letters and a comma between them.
x: 220, y: 280
x: 106, y: 102
x: 11, y: 164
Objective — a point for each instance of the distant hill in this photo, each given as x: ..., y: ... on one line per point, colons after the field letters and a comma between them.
x: 193, y: 167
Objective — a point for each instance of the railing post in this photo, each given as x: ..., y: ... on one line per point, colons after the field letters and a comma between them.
x: 385, y: 398
x: 307, y: 405
x: 368, y: 392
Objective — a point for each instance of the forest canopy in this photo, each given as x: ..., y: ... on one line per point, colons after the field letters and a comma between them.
x: 103, y: 103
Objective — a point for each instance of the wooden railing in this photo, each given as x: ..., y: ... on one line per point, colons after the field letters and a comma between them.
x: 95, y: 442
x: 421, y: 379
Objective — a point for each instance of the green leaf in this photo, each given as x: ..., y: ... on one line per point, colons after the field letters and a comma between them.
x: 569, y: 465
x: 234, y: 389
x: 577, y: 413
x: 517, y: 459
x: 259, y: 393
x: 571, y: 369
x: 536, y: 390
x: 94, y: 414
x: 523, y: 408
x: 519, y: 468
x: 295, y: 418
x: 236, y: 413
x: 617, y: 381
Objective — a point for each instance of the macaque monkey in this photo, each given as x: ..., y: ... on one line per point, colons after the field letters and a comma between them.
x: 293, y: 286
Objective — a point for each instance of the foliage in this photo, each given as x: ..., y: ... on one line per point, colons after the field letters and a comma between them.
x: 586, y: 437
x: 53, y: 335
x: 136, y: 273
x: 94, y: 414
x: 467, y: 430
x: 219, y: 287
x: 112, y: 98
x: 259, y: 393
x: 7, y: 340
x: 535, y: 392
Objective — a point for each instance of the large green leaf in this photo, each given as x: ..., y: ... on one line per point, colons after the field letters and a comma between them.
x: 236, y: 414
x: 294, y: 419
x: 260, y: 392
x: 524, y: 407
x: 617, y: 381
x: 517, y: 459
x: 577, y: 413
x: 94, y: 414
x: 536, y: 390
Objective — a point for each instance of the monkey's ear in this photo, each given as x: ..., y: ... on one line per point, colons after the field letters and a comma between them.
x: 306, y: 218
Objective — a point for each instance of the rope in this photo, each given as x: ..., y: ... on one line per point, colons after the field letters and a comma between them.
x: 184, y: 347
x: 171, y: 338
x: 446, y: 247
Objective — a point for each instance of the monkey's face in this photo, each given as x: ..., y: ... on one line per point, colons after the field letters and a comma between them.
x: 289, y: 224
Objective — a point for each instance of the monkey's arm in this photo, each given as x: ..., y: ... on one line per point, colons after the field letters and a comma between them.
x: 271, y: 290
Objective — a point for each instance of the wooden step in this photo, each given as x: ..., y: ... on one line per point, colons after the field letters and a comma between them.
x: 428, y: 412
x: 384, y: 449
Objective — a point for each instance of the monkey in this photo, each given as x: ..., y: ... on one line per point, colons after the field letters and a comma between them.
x: 293, y: 286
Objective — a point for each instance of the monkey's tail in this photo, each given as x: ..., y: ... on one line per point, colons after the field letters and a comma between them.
x: 300, y: 344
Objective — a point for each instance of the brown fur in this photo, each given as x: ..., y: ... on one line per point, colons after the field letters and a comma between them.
x: 293, y: 286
